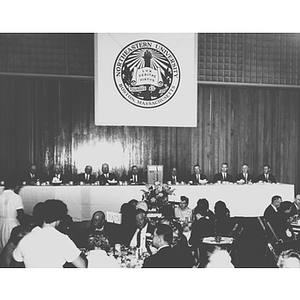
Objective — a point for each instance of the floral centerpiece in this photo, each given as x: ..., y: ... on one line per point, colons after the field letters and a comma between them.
x: 156, y: 195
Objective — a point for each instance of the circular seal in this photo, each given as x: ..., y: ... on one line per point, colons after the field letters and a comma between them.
x: 146, y: 73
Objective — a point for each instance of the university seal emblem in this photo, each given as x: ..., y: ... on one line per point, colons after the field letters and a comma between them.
x: 146, y: 73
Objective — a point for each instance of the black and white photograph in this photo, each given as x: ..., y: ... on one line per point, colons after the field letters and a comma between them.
x: 170, y: 150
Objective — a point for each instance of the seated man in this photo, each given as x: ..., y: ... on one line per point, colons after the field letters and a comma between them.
x: 107, y: 178
x: 98, y: 225
x: 57, y: 176
x: 271, y: 214
x: 135, y: 178
x: 32, y: 177
x: 183, y: 213
x: 202, y: 210
x: 143, y: 233
x: 197, y: 176
x: 244, y: 177
x: 173, y: 177
x: 46, y: 247
x: 295, y: 210
x: 266, y: 176
x: 223, y: 176
x: 87, y: 177
x: 165, y: 256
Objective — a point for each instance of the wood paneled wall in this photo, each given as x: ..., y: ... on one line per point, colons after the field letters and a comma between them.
x: 49, y: 121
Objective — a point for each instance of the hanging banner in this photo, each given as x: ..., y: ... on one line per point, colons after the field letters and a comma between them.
x: 146, y: 79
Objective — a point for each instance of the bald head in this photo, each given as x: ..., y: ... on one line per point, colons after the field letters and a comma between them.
x: 98, y: 219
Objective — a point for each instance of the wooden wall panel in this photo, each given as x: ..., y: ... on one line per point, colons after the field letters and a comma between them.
x: 50, y: 121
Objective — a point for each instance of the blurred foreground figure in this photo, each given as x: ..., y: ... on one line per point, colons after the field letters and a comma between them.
x: 289, y: 259
x: 46, y: 247
x: 219, y: 259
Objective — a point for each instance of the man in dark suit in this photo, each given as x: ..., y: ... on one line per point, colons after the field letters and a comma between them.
x: 99, y: 225
x: 107, y: 178
x: 197, y: 176
x: 223, y: 175
x: 244, y: 177
x: 87, y: 177
x: 295, y: 210
x: 165, y: 257
x: 57, y: 176
x: 32, y: 177
x: 142, y: 235
x: 134, y: 177
x: 173, y: 177
x: 271, y: 214
x: 266, y: 176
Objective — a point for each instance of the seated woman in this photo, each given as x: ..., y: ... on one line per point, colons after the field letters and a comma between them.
x: 183, y: 213
x: 203, y: 210
x: 97, y: 257
x: 223, y: 224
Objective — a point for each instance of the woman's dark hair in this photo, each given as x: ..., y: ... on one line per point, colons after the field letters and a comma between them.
x: 55, y: 210
x: 18, y: 233
x: 221, y: 209
x: 38, y: 214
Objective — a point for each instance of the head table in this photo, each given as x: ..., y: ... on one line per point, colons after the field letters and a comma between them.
x: 84, y: 200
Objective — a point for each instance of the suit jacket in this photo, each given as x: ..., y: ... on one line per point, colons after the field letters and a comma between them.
x: 81, y: 178
x: 140, y: 179
x: 219, y: 177
x: 262, y: 177
x: 193, y: 178
x: 32, y: 180
x: 271, y: 215
x: 241, y: 176
x: 294, y: 210
x: 103, y: 180
x: 164, y: 258
x: 170, y: 178
x: 150, y: 229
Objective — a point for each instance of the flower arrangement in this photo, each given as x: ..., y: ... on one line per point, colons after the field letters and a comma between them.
x: 156, y: 195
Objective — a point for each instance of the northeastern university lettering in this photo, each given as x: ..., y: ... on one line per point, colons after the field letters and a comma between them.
x: 146, y: 73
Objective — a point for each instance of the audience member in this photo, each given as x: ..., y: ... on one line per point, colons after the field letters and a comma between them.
x: 128, y: 211
x: 283, y: 228
x: 223, y: 176
x: 289, y: 259
x: 183, y: 212
x: 46, y: 247
x: 11, y: 210
x: 107, y: 178
x: 219, y: 259
x: 266, y: 176
x: 87, y: 177
x: 38, y: 214
x: 99, y: 225
x: 17, y: 234
x: 202, y: 210
x: 143, y: 232
x: 271, y: 212
x: 165, y: 256
x: 223, y: 224
x: 98, y: 246
x: 197, y: 176
x: 181, y: 248
x: 295, y: 210
x: 32, y: 178
x: 244, y: 177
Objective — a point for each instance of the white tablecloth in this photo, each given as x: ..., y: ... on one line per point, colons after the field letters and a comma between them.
x: 83, y: 201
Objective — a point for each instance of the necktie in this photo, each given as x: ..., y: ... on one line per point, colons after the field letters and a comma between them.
x: 224, y: 176
x: 174, y: 179
x: 87, y: 177
x: 245, y: 175
x: 198, y: 177
x: 267, y: 177
x: 138, y: 239
x: 135, y: 179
